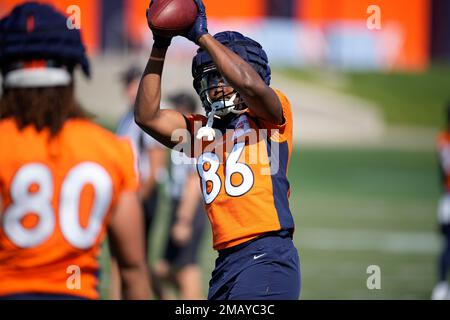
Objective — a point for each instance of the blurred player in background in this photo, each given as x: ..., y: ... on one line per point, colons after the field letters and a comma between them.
x: 151, y: 158
x: 64, y: 181
x: 187, y: 222
x: 246, y: 201
x: 441, y: 290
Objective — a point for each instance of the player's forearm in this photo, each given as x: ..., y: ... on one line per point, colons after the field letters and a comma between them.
x: 259, y: 97
x: 160, y: 124
x: 239, y: 74
x: 148, y: 98
x: 135, y: 283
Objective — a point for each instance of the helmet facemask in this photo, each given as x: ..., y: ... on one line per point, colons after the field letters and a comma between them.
x: 250, y: 51
x: 224, y: 100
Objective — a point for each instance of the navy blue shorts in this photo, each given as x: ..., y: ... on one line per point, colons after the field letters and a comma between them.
x: 264, y: 269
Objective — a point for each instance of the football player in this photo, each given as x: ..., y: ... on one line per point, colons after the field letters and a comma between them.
x: 441, y: 290
x: 64, y: 181
x: 246, y: 200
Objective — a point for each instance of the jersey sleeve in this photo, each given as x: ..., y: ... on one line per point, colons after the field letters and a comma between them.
x: 128, y: 166
x: 280, y: 132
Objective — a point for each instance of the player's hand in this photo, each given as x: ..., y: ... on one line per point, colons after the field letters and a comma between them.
x: 159, y: 41
x: 181, y: 233
x: 200, y: 26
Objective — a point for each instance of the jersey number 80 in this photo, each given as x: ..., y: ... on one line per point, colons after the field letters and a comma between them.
x: 40, y: 203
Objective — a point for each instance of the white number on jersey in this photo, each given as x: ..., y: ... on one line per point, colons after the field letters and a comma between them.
x: 40, y: 203
x: 232, y: 166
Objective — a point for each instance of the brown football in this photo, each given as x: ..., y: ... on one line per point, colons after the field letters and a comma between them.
x: 171, y: 18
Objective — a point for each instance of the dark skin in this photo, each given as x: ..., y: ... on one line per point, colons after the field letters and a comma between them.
x: 160, y: 123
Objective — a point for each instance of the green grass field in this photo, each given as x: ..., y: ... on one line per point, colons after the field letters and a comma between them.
x: 359, y: 208
x: 416, y: 99
x: 355, y: 208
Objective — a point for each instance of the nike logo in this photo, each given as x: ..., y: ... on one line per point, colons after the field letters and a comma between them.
x: 258, y: 256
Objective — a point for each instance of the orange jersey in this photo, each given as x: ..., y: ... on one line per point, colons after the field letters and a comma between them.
x: 57, y: 200
x: 245, y: 185
x: 443, y: 147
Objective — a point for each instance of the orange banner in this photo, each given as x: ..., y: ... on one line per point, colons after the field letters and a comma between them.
x: 219, y: 9
x: 413, y: 16
x: 135, y: 20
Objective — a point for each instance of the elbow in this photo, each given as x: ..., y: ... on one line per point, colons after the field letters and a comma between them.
x: 138, y: 118
x: 145, y: 111
x: 143, y: 119
x: 139, y: 115
x: 135, y: 284
x: 133, y: 268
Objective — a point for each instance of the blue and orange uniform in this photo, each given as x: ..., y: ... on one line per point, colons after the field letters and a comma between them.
x: 246, y: 193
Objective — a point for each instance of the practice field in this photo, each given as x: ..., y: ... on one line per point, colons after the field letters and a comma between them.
x: 359, y: 208
x: 353, y: 209
x: 416, y: 99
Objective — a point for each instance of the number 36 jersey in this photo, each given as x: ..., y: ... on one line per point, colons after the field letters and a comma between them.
x: 243, y: 176
x: 57, y: 195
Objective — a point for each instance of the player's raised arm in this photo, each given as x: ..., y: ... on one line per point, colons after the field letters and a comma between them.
x: 259, y: 97
x: 148, y: 114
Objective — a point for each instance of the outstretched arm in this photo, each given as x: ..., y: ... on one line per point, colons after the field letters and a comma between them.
x: 259, y: 97
x: 159, y: 123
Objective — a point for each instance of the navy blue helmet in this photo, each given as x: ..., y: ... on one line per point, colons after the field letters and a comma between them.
x: 203, y: 68
x: 34, y: 31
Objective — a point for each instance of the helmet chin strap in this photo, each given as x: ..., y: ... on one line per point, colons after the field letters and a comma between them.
x: 222, y: 106
x: 207, y: 131
x: 218, y: 108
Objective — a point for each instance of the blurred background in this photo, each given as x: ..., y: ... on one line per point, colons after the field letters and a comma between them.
x: 367, y: 105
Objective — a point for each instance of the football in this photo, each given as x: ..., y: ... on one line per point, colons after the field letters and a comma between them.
x: 171, y: 18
